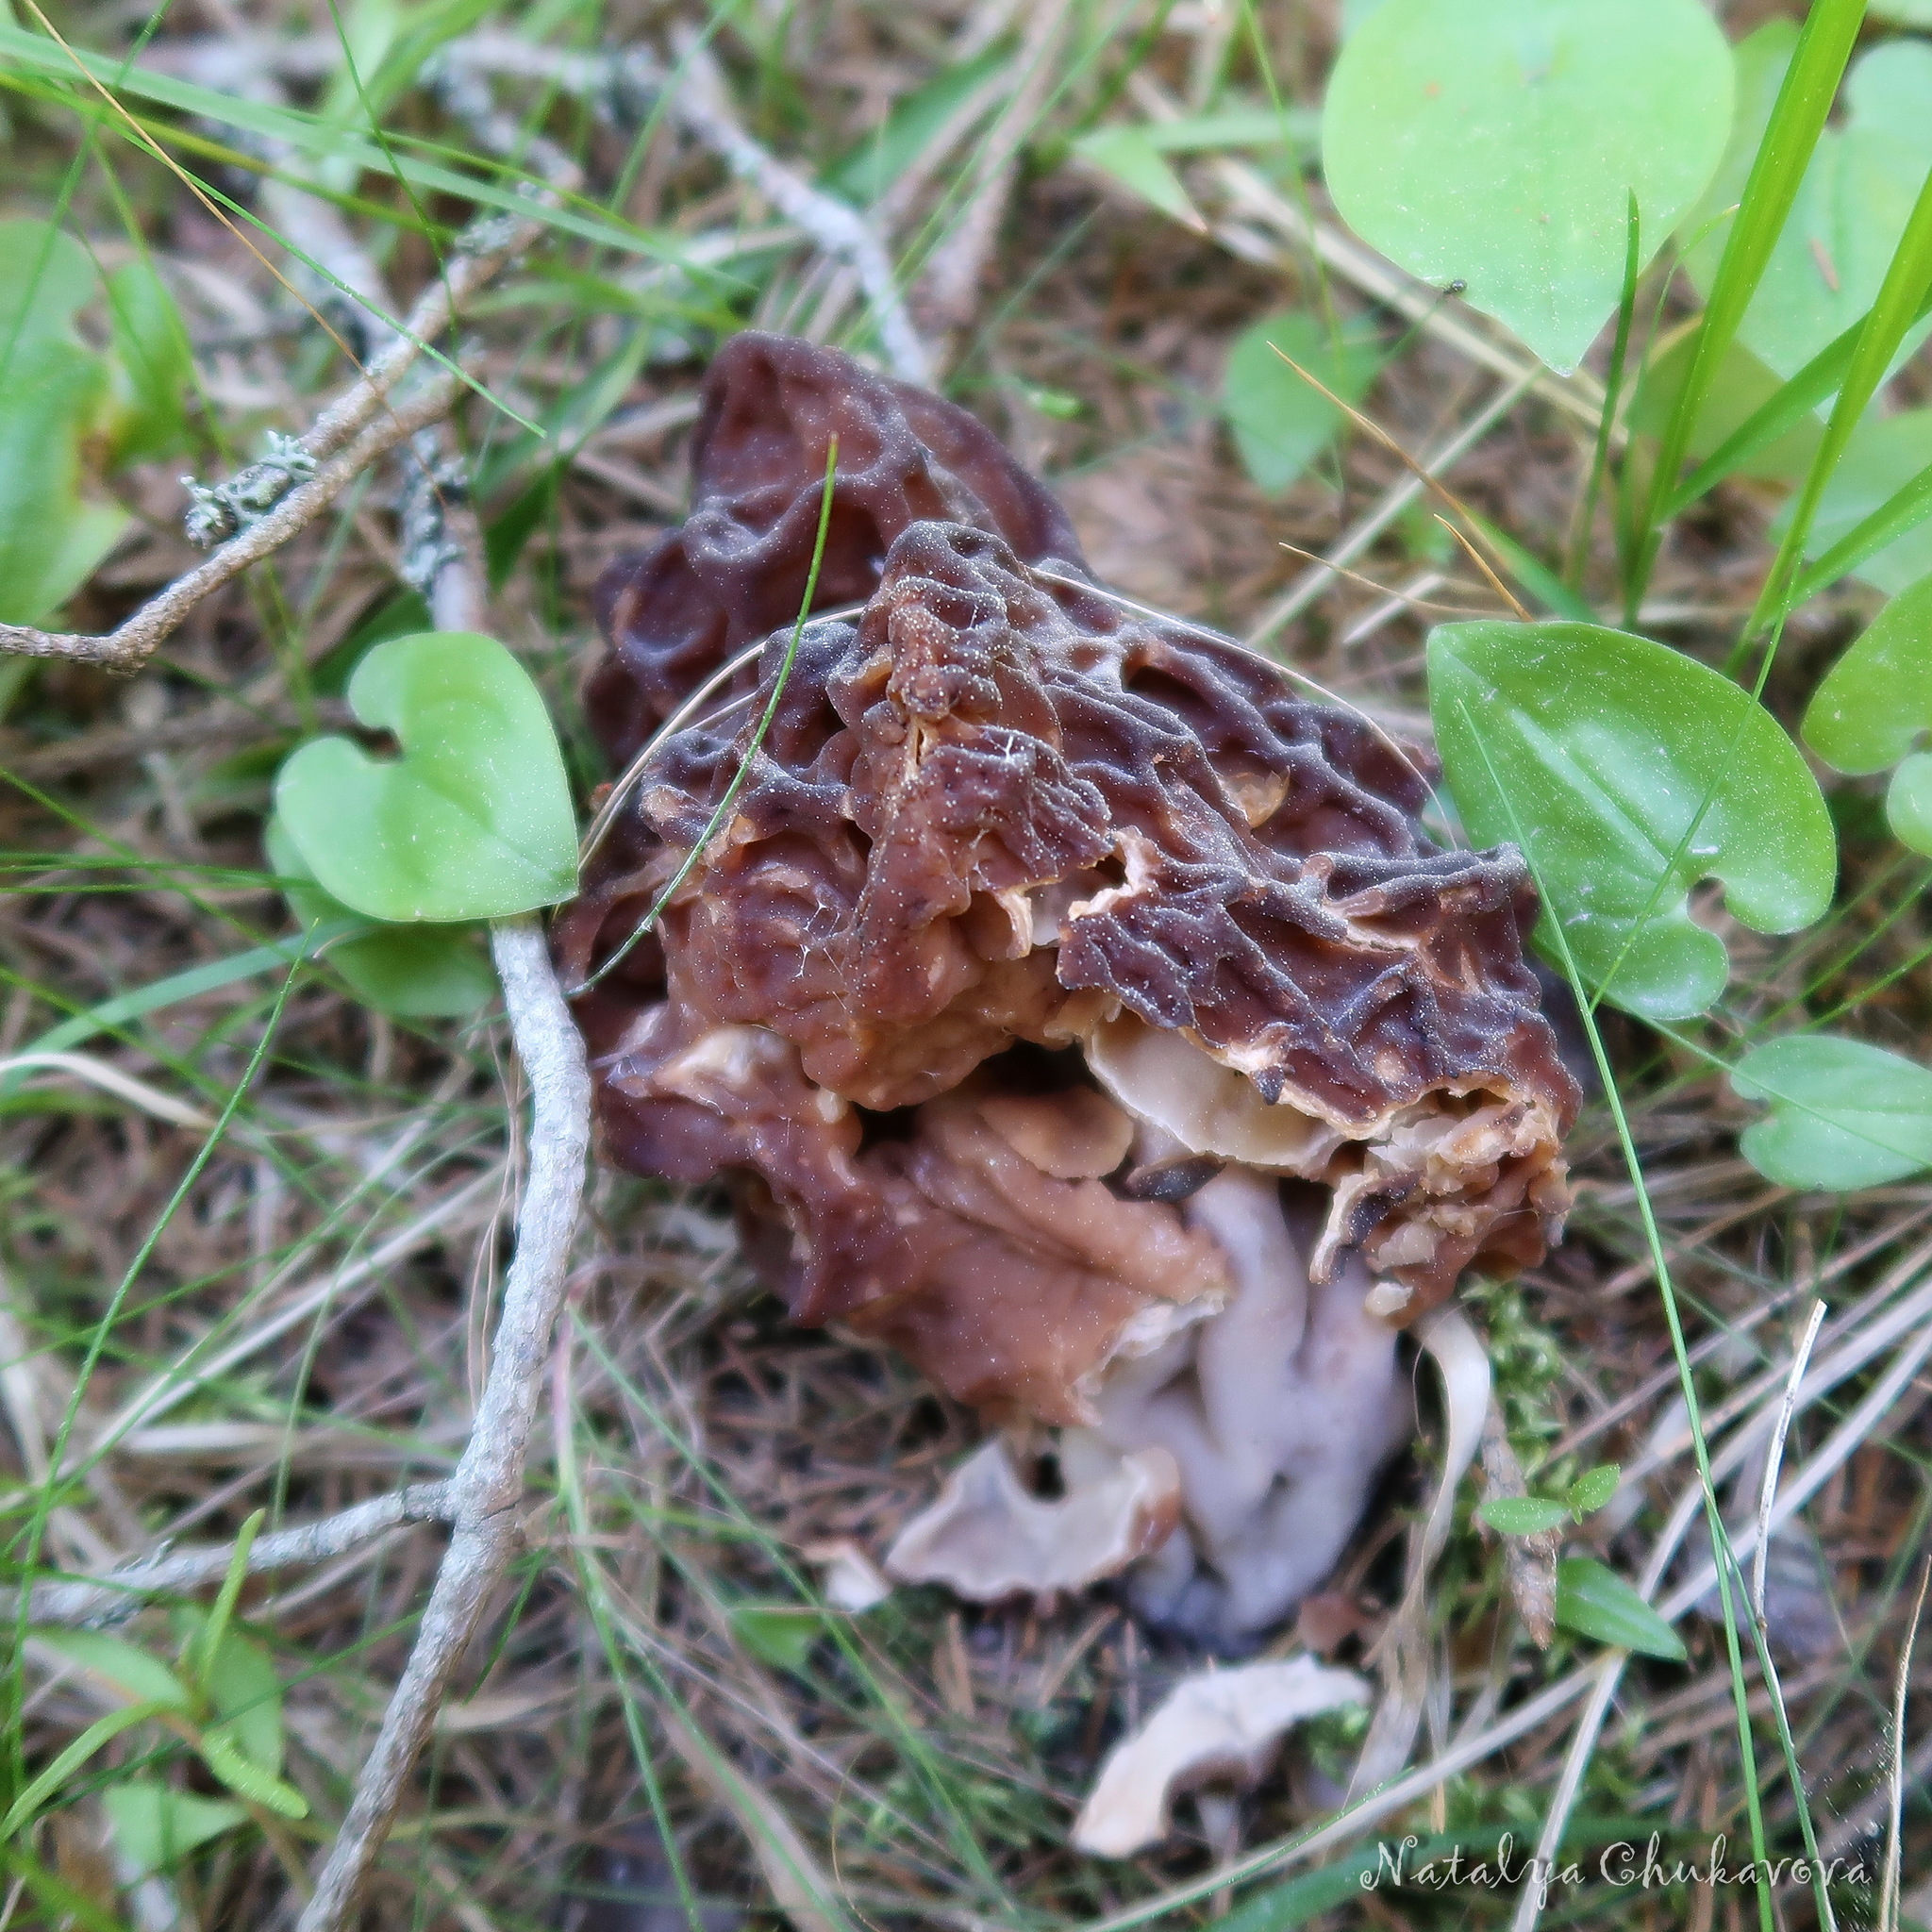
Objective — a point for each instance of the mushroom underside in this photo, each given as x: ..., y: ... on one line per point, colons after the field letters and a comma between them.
x: 1070, y: 1005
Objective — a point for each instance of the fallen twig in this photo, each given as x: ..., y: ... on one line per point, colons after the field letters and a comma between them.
x: 488, y: 1484
x: 121, y: 1591
x: 130, y: 645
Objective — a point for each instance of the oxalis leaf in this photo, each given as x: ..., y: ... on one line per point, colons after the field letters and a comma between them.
x: 780, y: 1634
x: 1498, y: 142
x: 1882, y: 459
x: 472, y: 821
x: 1593, y: 1601
x: 1875, y: 704
x: 1598, y: 751
x: 141, y: 1677
x: 1843, y: 1115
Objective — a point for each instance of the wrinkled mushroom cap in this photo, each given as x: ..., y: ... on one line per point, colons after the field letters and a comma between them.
x: 1019, y: 878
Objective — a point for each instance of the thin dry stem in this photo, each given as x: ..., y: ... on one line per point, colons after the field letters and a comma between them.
x: 121, y: 1591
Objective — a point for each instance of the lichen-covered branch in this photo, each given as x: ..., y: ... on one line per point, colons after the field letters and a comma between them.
x: 131, y: 643
x: 485, y: 1490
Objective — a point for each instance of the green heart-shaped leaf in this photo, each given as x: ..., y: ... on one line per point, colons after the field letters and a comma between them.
x: 780, y: 1634
x: 1497, y: 143
x: 247, y: 1695
x: 140, y: 1677
x: 472, y: 821
x: 1592, y: 1599
x: 1740, y: 387
x: 1850, y: 207
x: 1875, y: 704
x: 1843, y: 1115
x: 47, y: 277
x: 1595, y: 751
x: 409, y: 972
x: 1280, y: 422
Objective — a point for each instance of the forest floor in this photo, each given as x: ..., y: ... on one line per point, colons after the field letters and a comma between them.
x: 656, y: 1727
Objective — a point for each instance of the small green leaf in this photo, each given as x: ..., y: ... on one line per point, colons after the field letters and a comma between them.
x: 135, y: 1672
x: 472, y: 821
x: 247, y: 1693
x: 1878, y: 496
x: 1908, y: 803
x: 1843, y: 1115
x: 1136, y: 163
x: 154, y: 366
x: 104, y: 1730
x: 53, y: 393
x: 779, y: 1634
x: 867, y: 169
x: 1874, y: 705
x: 417, y: 972
x: 1280, y: 422
x: 47, y: 277
x: 1521, y: 1515
x: 222, y: 1751
x: 52, y: 536
x: 1593, y: 1488
x: 1593, y: 1601
x: 1741, y: 386
x: 1596, y: 750
x: 157, y: 1826
x: 1497, y: 143
x: 410, y: 972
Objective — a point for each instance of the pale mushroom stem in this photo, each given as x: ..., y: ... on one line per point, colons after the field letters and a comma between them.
x: 1279, y: 1412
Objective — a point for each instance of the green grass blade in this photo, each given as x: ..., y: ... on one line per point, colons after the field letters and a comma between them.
x: 310, y: 134
x: 104, y: 1730
x: 1905, y: 509
x: 1788, y: 406
x: 209, y: 1645
x: 1720, y: 1536
x: 1613, y: 391
x: 1804, y: 100
x: 170, y: 992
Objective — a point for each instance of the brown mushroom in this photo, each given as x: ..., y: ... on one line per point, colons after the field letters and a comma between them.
x: 1074, y: 1006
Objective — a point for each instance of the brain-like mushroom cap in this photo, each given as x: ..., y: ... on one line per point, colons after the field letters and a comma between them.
x: 1000, y: 815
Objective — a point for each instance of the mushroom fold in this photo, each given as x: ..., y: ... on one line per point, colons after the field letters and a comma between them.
x: 1073, y: 1006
